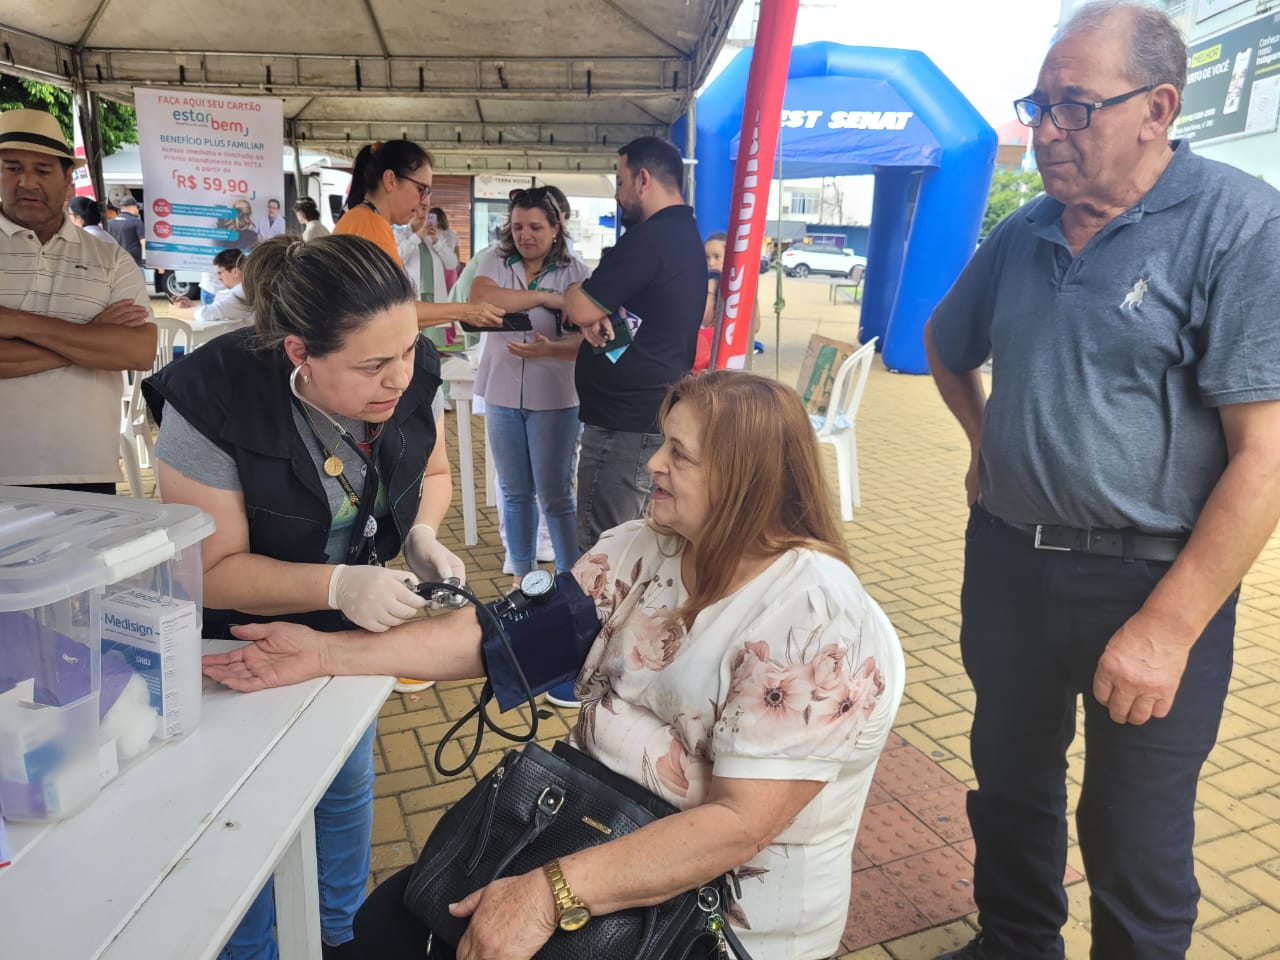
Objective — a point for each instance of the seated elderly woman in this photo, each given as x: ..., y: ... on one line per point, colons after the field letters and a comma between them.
x: 741, y: 672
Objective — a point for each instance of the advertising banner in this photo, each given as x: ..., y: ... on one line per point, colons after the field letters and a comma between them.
x: 1233, y: 83
x: 1211, y: 8
x: 496, y: 186
x: 827, y: 121
x: 80, y: 178
x: 753, y: 172
x: 211, y: 174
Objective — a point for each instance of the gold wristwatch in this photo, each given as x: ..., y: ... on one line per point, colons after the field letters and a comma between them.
x: 571, y: 913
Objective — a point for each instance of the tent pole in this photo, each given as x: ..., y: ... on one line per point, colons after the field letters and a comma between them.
x: 90, y: 131
x: 298, y: 189
x: 690, y: 150
x: 779, y: 304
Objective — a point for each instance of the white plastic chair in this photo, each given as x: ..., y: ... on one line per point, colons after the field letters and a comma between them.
x: 171, y: 332
x: 837, y: 428
x: 136, y: 445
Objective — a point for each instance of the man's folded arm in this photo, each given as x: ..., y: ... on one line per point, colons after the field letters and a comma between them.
x: 18, y: 358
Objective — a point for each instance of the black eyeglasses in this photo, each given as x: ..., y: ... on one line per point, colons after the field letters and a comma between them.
x: 529, y: 195
x: 1068, y: 114
x: 536, y: 197
x: 424, y: 189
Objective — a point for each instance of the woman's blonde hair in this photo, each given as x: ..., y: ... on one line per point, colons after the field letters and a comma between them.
x: 766, y: 488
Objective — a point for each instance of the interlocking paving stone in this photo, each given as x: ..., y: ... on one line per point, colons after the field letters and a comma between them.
x: 878, y: 911
x: 889, y: 831
x: 908, y: 771
x: 939, y: 882
x: 942, y: 811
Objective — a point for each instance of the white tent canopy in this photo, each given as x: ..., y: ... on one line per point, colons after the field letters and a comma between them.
x: 543, y: 86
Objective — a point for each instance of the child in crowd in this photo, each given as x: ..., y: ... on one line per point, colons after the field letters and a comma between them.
x: 714, y: 249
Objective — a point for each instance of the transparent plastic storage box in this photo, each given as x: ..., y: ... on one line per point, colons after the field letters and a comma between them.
x: 100, y: 625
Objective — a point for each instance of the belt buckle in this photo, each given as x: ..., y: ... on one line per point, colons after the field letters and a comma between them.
x: 1044, y: 546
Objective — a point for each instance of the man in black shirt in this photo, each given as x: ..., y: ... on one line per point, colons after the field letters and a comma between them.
x: 653, y: 285
x: 127, y: 230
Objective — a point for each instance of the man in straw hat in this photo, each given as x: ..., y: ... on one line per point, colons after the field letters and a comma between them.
x: 73, y: 313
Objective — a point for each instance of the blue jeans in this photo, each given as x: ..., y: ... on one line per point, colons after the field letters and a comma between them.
x: 533, y: 451
x: 344, y: 831
x: 1034, y: 624
x: 613, y: 480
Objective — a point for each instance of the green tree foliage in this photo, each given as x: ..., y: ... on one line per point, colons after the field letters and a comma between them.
x: 1009, y: 190
x: 119, y: 123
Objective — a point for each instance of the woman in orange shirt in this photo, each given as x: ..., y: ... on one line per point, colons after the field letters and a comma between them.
x: 388, y: 182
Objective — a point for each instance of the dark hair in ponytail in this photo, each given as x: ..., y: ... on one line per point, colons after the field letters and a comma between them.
x: 401, y: 157
x: 319, y: 291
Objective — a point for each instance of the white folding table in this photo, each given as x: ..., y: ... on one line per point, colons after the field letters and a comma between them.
x: 166, y: 861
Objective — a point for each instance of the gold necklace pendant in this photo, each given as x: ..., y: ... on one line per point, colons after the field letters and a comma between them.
x: 333, y: 465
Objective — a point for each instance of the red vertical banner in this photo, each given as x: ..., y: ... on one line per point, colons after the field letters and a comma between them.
x: 753, y: 173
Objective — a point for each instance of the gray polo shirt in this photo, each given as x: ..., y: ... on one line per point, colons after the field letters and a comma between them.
x: 1107, y: 366
x: 505, y: 380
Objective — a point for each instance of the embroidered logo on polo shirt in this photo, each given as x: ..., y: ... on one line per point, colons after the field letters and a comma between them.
x: 1133, y: 299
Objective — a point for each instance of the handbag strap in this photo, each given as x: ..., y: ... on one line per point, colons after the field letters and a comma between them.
x: 739, y: 951
x: 480, y: 711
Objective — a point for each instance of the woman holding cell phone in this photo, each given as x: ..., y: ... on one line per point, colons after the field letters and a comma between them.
x: 526, y: 377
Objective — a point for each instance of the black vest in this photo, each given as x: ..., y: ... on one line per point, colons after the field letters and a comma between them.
x: 239, y: 399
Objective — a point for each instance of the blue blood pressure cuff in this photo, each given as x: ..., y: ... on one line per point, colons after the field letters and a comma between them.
x: 542, y: 641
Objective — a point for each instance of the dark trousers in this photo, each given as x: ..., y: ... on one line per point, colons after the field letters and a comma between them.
x: 386, y: 930
x: 1035, y: 623
x: 613, y: 480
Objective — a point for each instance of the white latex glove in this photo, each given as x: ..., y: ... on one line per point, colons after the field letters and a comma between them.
x: 374, y: 598
x: 429, y: 558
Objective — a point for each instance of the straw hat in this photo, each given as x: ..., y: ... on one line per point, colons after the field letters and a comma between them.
x: 36, y: 131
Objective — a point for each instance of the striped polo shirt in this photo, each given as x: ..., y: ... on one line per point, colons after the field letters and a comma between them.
x: 62, y: 426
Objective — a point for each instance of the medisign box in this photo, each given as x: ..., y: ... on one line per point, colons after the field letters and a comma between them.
x: 159, y: 638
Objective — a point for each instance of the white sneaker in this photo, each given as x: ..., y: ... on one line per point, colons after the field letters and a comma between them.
x: 507, y: 567
x: 562, y: 695
x: 406, y: 685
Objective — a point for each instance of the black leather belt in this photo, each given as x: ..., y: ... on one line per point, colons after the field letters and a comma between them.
x: 1128, y: 544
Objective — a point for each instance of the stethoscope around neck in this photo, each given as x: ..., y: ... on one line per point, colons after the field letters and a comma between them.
x: 365, y: 503
x: 342, y: 431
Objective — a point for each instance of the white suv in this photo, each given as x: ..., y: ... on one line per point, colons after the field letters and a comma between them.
x: 804, y: 259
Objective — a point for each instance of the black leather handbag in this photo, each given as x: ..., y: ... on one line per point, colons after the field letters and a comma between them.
x: 537, y: 805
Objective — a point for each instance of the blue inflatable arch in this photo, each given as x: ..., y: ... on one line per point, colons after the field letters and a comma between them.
x: 867, y: 110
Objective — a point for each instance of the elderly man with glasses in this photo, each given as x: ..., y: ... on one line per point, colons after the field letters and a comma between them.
x: 1123, y: 479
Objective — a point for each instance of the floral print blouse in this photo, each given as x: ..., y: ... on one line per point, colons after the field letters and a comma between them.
x: 796, y: 676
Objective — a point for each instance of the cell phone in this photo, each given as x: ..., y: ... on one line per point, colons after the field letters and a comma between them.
x: 621, y: 322
x: 431, y: 219
x: 511, y: 323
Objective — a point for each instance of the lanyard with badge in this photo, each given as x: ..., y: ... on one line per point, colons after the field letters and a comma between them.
x: 365, y: 522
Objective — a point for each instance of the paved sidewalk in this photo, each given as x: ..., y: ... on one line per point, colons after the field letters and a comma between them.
x: 907, y: 544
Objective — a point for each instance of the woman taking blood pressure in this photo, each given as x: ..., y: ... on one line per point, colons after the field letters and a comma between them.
x: 312, y: 441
